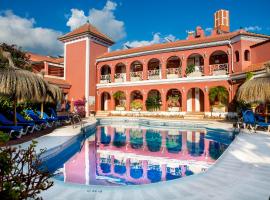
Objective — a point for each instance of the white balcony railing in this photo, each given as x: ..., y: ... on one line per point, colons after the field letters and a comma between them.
x: 120, y: 77
x: 154, y: 74
x: 136, y: 76
x: 173, y: 73
x: 105, y: 78
x: 219, y: 69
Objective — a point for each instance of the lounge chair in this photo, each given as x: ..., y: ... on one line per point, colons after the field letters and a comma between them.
x: 51, y: 120
x: 27, y: 126
x: 38, y: 124
x: 16, y: 131
x: 66, y: 118
x: 250, y: 121
x: 36, y: 118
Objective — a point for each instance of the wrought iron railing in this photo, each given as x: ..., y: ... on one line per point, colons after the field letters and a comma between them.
x: 136, y: 76
x: 173, y: 72
x: 120, y: 77
x: 219, y: 68
x: 154, y: 74
x: 105, y: 78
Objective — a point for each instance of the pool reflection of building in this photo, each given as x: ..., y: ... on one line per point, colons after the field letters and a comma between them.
x: 139, y: 156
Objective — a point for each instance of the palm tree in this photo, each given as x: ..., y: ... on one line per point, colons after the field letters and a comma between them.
x: 219, y: 93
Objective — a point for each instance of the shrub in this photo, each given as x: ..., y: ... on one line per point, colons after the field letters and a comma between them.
x: 190, y: 69
x: 21, y: 173
x: 79, y: 106
x: 173, y: 101
x: 153, y: 102
x: 136, y: 104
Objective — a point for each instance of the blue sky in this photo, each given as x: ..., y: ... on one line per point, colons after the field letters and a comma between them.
x: 35, y: 25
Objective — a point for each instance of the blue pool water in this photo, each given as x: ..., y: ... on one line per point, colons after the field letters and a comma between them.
x: 131, y: 154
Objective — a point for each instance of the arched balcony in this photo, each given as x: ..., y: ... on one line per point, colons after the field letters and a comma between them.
x: 154, y: 71
x: 174, y: 99
x: 120, y: 73
x: 219, y: 63
x: 195, y: 63
x: 173, y: 67
x: 136, y: 100
x: 136, y: 71
x: 105, y: 76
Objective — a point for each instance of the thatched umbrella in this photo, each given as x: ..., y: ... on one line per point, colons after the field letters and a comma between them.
x: 21, y: 85
x: 54, y: 94
x: 256, y: 90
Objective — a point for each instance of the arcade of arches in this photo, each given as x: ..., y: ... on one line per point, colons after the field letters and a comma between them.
x: 172, y: 99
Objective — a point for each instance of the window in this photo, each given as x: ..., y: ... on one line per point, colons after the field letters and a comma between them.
x: 237, y: 56
x: 247, y: 55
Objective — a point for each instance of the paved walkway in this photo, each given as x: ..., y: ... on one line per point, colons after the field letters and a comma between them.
x: 57, y: 137
x: 242, y: 172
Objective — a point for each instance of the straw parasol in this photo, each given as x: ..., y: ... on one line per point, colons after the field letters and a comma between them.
x: 255, y: 90
x: 20, y: 85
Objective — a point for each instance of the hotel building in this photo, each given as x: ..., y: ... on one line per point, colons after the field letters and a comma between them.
x: 186, y: 68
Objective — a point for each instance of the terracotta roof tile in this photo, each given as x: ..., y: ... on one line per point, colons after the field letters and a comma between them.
x: 60, y: 82
x: 253, y: 67
x: 179, y: 43
x: 86, y: 29
x: 39, y: 58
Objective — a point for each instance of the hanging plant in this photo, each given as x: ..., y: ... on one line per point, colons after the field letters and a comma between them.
x: 190, y: 68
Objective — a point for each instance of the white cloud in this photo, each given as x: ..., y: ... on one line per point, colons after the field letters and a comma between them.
x: 103, y: 19
x: 156, y: 39
x: 253, y: 28
x: 23, y: 33
x: 209, y: 29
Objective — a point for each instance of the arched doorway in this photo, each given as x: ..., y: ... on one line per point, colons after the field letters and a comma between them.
x: 195, y: 100
x: 105, y: 101
x: 136, y: 100
x: 219, y: 63
x: 174, y: 100
x: 153, y: 101
x: 119, y: 100
x: 136, y: 71
x: 154, y: 71
x: 173, y: 67
x: 195, y: 64
x: 105, y: 72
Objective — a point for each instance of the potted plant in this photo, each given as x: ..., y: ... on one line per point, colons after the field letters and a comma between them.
x: 136, y: 105
x: 190, y: 69
x: 119, y: 98
x: 218, y: 98
x: 173, y: 103
x: 153, y: 103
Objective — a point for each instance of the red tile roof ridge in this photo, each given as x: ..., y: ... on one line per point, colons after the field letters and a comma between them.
x: 178, y: 43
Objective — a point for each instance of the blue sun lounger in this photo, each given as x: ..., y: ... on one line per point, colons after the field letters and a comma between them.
x: 27, y: 126
x: 36, y: 118
x: 16, y: 131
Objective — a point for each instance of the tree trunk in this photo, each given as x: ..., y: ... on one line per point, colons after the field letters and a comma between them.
x: 41, y: 110
x: 15, y: 111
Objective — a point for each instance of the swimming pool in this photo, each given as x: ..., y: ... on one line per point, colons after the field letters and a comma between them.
x: 133, y: 153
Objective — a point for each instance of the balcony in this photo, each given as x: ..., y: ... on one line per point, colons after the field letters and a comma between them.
x: 173, y: 73
x: 198, y: 71
x: 136, y: 76
x: 105, y: 78
x: 120, y: 77
x: 219, y: 69
x: 154, y: 74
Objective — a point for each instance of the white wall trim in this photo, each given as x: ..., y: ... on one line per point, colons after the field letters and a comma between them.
x: 248, y: 38
x: 65, y: 61
x: 74, y: 41
x: 55, y: 65
x: 87, y: 74
x: 196, y: 46
x: 166, y: 81
x: 56, y: 77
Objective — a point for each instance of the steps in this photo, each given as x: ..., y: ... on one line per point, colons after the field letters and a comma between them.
x: 102, y: 113
x: 194, y: 115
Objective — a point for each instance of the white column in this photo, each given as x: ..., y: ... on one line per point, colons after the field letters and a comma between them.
x: 87, y: 77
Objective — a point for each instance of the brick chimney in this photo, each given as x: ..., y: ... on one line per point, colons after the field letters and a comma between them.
x: 221, y: 22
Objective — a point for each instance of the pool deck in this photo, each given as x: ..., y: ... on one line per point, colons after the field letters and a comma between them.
x: 242, y: 172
